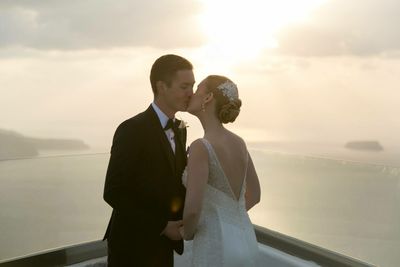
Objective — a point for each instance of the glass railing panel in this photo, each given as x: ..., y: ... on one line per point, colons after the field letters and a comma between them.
x: 49, y: 202
x: 345, y: 206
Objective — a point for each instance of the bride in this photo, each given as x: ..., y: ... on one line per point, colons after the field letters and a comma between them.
x: 221, y: 183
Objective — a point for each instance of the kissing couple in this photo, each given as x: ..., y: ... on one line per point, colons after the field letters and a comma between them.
x: 161, y: 195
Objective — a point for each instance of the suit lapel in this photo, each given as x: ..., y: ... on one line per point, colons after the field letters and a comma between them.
x: 182, y: 139
x: 182, y: 135
x: 156, y: 128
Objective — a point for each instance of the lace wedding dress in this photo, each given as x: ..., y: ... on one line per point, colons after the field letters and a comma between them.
x: 225, y: 235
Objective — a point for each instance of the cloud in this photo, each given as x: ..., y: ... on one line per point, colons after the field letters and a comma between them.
x: 340, y: 27
x: 97, y: 24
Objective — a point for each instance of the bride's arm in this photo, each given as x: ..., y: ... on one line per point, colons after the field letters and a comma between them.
x: 253, y: 191
x: 197, y: 176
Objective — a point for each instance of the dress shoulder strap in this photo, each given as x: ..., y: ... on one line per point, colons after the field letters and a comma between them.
x: 207, y: 144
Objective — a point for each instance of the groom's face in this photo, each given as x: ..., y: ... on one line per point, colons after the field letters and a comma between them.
x: 177, y: 96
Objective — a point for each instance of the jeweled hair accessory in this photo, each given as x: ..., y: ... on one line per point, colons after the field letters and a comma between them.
x: 229, y: 89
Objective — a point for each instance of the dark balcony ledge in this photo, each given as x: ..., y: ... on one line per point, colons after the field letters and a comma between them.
x: 304, y: 250
x: 60, y: 256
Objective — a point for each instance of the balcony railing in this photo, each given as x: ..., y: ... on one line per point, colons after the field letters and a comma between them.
x: 292, y: 252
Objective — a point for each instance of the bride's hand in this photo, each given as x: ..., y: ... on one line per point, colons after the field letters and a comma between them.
x: 172, y: 230
x: 182, y: 231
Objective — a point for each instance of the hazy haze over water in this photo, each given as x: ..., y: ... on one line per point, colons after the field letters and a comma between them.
x: 347, y: 207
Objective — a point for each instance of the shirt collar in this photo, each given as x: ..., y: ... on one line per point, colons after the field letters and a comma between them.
x: 161, y: 115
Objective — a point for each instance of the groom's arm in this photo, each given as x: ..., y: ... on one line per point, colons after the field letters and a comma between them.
x: 126, y: 189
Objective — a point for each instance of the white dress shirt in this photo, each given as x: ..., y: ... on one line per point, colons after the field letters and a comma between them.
x: 163, y: 120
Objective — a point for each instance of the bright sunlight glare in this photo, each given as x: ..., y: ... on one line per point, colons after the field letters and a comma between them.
x: 239, y: 30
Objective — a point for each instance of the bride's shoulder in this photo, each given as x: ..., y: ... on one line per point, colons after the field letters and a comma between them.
x: 198, y: 146
x: 198, y: 142
x: 238, y: 139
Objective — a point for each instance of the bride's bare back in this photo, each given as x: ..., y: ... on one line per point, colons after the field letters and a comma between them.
x: 232, y: 155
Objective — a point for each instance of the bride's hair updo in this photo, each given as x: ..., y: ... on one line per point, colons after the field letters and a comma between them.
x: 226, y: 95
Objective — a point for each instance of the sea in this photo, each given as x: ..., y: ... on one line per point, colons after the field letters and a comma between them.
x: 345, y: 201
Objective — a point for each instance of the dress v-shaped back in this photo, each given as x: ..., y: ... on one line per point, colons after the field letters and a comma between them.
x: 225, y: 235
x: 218, y: 177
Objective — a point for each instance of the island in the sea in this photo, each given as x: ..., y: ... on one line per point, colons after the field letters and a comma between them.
x: 364, y: 145
x: 14, y: 145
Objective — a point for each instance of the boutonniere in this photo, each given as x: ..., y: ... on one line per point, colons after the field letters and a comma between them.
x: 183, y: 125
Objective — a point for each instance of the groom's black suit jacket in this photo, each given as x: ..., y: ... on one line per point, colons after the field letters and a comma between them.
x: 143, y: 186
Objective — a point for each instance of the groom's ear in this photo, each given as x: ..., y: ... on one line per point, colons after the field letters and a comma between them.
x: 161, y: 86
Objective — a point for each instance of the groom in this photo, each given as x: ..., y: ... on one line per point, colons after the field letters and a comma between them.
x: 143, y: 182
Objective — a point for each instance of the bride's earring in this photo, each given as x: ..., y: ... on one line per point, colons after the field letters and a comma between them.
x: 203, y: 107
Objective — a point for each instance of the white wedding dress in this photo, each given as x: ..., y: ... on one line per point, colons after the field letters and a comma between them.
x: 225, y: 235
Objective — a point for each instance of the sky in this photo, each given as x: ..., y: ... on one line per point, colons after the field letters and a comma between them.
x: 310, y: 70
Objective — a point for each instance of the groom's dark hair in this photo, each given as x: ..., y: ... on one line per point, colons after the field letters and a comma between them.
x: 165, y: 68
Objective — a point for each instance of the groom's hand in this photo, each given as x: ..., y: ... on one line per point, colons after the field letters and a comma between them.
x: 172, y: 230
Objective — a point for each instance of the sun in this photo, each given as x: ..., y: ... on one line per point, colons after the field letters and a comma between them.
x: 239, y: 30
